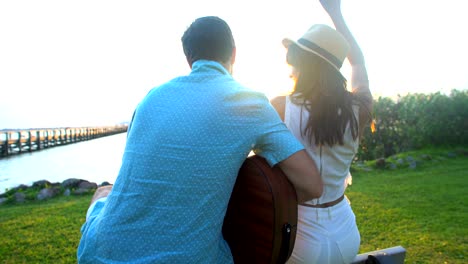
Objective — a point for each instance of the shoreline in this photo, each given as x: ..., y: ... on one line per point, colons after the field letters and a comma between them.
x: 44, y: 190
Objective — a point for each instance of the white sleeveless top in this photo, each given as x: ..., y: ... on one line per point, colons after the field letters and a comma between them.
x: 334, y: 162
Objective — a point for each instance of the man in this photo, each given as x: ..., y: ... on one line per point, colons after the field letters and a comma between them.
x: 186, y: 142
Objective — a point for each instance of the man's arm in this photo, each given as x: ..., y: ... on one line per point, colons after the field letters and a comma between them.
x: 303, y: 174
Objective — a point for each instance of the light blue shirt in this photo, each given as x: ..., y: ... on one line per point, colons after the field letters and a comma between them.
x: 185, y: 145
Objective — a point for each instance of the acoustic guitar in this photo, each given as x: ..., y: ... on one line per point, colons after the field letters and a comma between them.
x: 261, y: 219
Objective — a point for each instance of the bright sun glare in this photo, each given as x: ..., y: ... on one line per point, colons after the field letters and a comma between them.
x: 121, y: 50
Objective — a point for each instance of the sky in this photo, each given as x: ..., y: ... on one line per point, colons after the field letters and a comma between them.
x: 90, y: 62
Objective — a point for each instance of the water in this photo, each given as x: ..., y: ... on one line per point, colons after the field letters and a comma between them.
x: 96, y: 160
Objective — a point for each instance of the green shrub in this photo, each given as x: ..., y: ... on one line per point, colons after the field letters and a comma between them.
x: 416, y: 121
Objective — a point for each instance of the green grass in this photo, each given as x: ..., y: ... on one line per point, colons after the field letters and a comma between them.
x: 42, y: 232
x: 422, y: 209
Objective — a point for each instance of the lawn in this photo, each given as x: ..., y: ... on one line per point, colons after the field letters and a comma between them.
x: 423, y: 209
x: 42, y: 232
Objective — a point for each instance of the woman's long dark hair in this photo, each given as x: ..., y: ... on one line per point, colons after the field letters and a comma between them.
x: 321, y: 89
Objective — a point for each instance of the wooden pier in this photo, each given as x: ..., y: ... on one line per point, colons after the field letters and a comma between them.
x: 27, y: 140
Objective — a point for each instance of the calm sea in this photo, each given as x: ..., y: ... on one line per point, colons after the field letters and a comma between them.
x: 95, y: 160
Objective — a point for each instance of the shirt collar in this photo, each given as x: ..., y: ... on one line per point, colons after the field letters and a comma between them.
x: 206, y: 66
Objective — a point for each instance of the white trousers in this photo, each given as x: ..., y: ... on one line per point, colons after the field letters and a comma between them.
x: 326, y: 235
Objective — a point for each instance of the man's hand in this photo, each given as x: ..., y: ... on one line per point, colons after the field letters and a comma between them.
x: 101, y: 192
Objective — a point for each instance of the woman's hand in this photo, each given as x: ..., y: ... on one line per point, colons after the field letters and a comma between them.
x: 332, y: 7
x: 359, y: 79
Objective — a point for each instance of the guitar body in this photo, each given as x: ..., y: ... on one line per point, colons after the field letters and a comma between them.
x: 261, y: 219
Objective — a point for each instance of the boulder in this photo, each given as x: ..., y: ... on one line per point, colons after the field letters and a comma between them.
x: 20, y: 197
x: 87, y: 185
x: 80, y: 191
x: 56, y: 184
x: 426, y: 157
x: 20, y: 187
x: 47, y: 193
x: 412, y: 165
x: 380, y: 163
x: 41, y: 184
x: 71, y: 183
x: 3, y: 200
x: 105, y: 183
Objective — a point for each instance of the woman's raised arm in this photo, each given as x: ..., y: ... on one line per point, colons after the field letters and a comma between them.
x: 359, y: 79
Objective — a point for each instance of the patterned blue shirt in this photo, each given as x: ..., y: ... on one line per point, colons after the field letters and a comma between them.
x: 185, y: 145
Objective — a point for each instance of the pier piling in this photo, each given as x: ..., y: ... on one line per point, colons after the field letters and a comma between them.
x: 17, y: 141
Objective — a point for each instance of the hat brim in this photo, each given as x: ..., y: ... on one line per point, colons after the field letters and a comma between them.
x: 288, y: 42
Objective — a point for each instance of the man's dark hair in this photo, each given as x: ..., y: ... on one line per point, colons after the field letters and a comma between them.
x: 208, y: 38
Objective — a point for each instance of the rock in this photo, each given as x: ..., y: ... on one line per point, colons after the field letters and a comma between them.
x: 392, y: 166
x: 80, y: 191
x: 41, y: 184
x: 71, y: 183
x: 20, y: 187
x: 3, y: 200
x: 87, y: 185
x: 380, y: 163
x: 412, y: 165
x: 20, y: 197
x: 426, y: 157
x: 105, y: 183
x: 56, y: 184
x: 409, y: 159
x: 451, y: 155
x: 359, y: 164
x: 67, y: 192
x: 47, y: 193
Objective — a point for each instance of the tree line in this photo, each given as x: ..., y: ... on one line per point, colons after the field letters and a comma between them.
x: 415, y: 121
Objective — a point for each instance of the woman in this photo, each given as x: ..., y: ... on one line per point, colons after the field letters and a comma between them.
x: 328, y: 119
